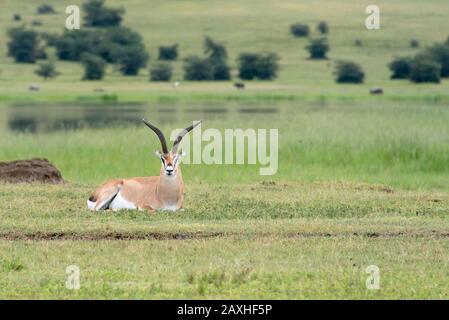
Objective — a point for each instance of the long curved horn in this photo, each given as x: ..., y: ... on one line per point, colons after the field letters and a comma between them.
x: 182, y: 134
x: 159, y: 134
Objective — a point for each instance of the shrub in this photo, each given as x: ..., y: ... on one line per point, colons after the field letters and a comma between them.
x: 323, y: 27
x: 111, y: 44
x: 71, y: 45
x: 215, y: 50
x: 299, y: 30
x: 94, y: 66
x: 440, y: 54
x: 400, y: 68
x: 423, y: 70
x: 358, y: 43
x: 130, y: 59
x: 414, y: 43
x: 197, y: 69
x: 220, y: 70
x: 41, y: 54
x: 349, y: 72
x: 46, y: 70
x: 217, y: 56
x: 168, y: 52
x: 45, y: 9
x: 24, y: 45
x: 161, y: 72
x: 318, y: 48
x: 16, y: 17
x: 262, y: 66
x: 97, y: 15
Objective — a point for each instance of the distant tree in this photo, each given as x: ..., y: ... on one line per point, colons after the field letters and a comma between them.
x: 23, y: 45
x: 46, y: 70
x: 318, y: 48
x: 322, y: 27
x: 440, y: 54
x: 49, y: 38
x: 214, y: 50
x: 168, y: 52
x: 220, y: 70
x: 425, y: 71
x: 161, y: 72
x: 400, y: 68
x: 300, y: 30
x: 414, y: 43
x: 217, y: 55
x: 262, y: 66
x: 267, y: 66
x: 130, y: 59
x: 98, y: 15
x: 112, y: 44
x: 248, y: 65
x: 45, y: 9
x: 94, y: 66
x: 41, y: 54
x: 197, y: 69
x: 349, y: 72
x: 117, y: 40
x: 71, y: 45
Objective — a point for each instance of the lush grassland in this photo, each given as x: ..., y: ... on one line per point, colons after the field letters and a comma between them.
x: 306, y: 240
x: 362, y: 180
x: 405, y: 145
x: 243, y: 26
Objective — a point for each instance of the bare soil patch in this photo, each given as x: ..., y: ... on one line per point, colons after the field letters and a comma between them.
x: 29, y: 171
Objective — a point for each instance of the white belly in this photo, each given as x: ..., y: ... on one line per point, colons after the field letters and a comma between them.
x: 120, y: 203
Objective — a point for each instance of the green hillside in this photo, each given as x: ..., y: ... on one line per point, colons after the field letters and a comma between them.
x: 244, y: 26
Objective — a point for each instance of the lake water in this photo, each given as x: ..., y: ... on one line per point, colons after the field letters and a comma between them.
x: 51, y: 118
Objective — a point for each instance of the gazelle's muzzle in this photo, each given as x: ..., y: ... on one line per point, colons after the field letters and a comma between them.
x: 169, y: 170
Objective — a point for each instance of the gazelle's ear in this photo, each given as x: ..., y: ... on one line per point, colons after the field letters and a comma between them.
x: 158, y: 154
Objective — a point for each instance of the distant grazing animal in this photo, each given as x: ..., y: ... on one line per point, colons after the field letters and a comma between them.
x: 376, y: 91
x: 33, y: 87
x: 163, y: 192
x: 239, y: 85
x: 98, y: 90
x: 176, y: 84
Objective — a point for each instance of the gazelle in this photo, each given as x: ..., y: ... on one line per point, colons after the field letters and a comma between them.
x: 164, y: 192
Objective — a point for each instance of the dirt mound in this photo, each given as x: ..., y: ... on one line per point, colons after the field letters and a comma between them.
x: 34, y: 170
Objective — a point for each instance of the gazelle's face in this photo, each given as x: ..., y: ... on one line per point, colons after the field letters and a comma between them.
x: 170, y: 162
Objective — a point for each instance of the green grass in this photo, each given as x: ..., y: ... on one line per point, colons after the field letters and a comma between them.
x: 362, y: 180
x: 400, y: 144
x: 307, y: 240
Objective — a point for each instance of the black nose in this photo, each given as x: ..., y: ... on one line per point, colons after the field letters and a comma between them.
x: 169, y: 171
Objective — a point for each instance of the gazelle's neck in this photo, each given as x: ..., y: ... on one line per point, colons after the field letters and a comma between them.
x: 170, y: 188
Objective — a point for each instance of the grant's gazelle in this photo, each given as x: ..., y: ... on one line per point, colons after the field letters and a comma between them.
x: 163, y: 192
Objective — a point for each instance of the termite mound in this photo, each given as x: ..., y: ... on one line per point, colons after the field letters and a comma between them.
x: 30, y: 171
